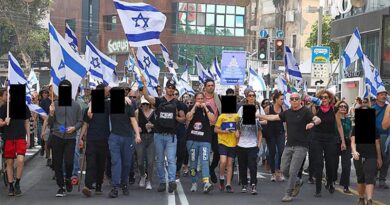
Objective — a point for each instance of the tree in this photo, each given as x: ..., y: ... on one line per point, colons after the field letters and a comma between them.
x: 23, y: 35
x: 326, y: 40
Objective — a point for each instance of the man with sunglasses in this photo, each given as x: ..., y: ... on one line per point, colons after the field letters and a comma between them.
x: 165, y: 141
x: 299, y: 120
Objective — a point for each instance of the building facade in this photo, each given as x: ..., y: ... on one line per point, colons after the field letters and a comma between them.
x: 193, y: 27
x: 372, y: 18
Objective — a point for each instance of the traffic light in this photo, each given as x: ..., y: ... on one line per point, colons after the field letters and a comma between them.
x: 279, y: 49
x: 263, y: 49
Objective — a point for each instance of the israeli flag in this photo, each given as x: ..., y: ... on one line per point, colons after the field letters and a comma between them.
x: 71, y: 38
x: 256, y: 81
x: 150, y: 88
x: 149, y: 64
x: 215, y: 70
x: 291, y: 64
x: 202, y: 72
x: 282, y: 87
x: 101, y: 67
x: 141, y: 22
x: 82, y: 92
x: 65, y: 63
x: 353, y: 51
x: 369, y: 78
x: 92, y: 84
x: 172, y: 66
x: 184, y: 75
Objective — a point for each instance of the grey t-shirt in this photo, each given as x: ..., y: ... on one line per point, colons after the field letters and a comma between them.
x: 248, y: 135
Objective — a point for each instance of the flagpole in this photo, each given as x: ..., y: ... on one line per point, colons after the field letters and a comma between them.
x: 330, y: 79
x: 7, y: 97
x: 136, y: 59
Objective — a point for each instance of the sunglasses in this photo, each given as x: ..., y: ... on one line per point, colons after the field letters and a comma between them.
x: 144, y: 104
x: 251, y: 95
x: 324, y: 97
x: 132, y: 97
x: 342, y: 106
x: 189, y: 103
x: 294, y: 98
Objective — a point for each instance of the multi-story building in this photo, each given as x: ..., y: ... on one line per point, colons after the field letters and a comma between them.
x: 372, y: 18
x: 193, y: 27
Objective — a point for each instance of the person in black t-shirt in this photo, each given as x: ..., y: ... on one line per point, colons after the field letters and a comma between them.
x: 181, y: 151
x: 299, y: 120
x: 17, y: 139
x: 367, y: 158
x: 165, y: 141
x: 199, y: 141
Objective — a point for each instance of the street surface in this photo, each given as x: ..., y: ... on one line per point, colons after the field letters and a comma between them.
x: 39, y: 189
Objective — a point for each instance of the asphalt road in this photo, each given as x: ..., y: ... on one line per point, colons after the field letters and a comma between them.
x: 39, y: 189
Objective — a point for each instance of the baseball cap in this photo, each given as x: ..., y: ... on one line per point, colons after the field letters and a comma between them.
x: 143, y: 100
x: 170, y: 83
x: 381, y: 90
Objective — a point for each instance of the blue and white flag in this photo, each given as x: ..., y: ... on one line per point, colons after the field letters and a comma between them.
x: 183, y: 84
x: 148, y: 64
x: 370, y: 83
x: 92, y: 84
x: 151, y: 89
x: 215, y: 70
x: 130, y: 63
x: 71, y: 38
x: 256, y: 81
x: 203, y: 74
x: 33, y: 80
x: 101, y: 67
x: 184, y: 75
x: 82, y: 92
x: 141, y: 22
x: 172, y: 66
x: 65, y: 63
x: 291, y: 64
x: 353, y: 51
x: 282, y: 87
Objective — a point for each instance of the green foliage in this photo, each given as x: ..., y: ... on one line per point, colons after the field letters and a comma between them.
x: 326, y: 40
x: 22, y: 33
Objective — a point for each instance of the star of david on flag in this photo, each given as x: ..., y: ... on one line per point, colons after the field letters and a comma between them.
x: 148, y: 64
x: 141, y: 22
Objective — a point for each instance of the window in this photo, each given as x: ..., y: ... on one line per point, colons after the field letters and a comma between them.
x: 110, y: 22
x: 209, y: 19
x: 71, y: 23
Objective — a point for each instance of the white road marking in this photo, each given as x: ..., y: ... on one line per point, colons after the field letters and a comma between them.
x: 182, y: 195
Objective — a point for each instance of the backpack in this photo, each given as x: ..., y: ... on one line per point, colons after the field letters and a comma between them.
x: 165, y: 114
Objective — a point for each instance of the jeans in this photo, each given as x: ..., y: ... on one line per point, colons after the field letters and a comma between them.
x: 146, y: 146
x: 346, y: 164
x: 385, y: 158
x: 275, y: 141
x: 321, y: 151
x: 121, y: 158
x: 165, y: 144
x: 199, y: 151
x: 96, y: 154
x: 291, y: 162
x: 76, y: 159
x: 63, y: 151
x: 247, y: 159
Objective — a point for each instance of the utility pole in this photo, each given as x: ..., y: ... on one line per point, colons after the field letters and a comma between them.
x: 319, y: 34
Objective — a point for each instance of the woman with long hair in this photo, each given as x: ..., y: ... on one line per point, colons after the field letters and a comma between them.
x: 324, y: 141
x: 275, y: 136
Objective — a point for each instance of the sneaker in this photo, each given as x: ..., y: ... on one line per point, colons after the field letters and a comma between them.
x: 86, y: 191
x: 229, y: 189
x: 383, y: 185
x: 68, y: 185
x: 244, y: 189
x: 369, y: 202
x: 162, y: 187
x: 172, y: 187
x: 11, y: 190
x: 281, y: 178
x: 185, y: 173
x: 306, y: 172
x: 142, y: 181
x: 331, y: 189
x: 75, y: 180
x: 113, y: 193
x: 98, y: 189
x: 222, y: 184
x: 254, y: 189
x: 125, y: 190
x: 18, y: 192
x: 273, y: 178
x: 287, y: 198
x: 207, y: 187
x: 213, y: 177
x: 310, y: 180
x: 297, y: 188
x: 347, y: 191
x: 361, y: 201
x: 194, y: 187
x: 178, y: 176
x: 148, y: 185
x: 61, y: 192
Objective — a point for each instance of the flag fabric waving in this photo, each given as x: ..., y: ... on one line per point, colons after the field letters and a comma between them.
x: 369, y: 78
x: 202, y: 72
x: 65, y: 63
x: 149, y: 64
x: 141, y: 22
x: 291, y: 65
x: 353, y: 51
x: 101, y: 67
x: 256, y: 81
x: 71, y: 38
x: 282, y: 87
x: 168, y: 62
x: 215, y: 71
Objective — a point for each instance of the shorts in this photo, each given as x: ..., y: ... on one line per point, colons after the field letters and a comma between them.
x: 365, y: 170
x: 227, y: 151
x: 12, y: 148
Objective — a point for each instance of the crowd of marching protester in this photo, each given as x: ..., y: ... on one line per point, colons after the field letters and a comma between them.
x: 189, y: 135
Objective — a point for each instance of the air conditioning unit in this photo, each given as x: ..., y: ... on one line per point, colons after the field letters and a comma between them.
x: 290, y: 17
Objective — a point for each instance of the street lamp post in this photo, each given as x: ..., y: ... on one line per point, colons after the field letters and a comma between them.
x: 319, y: 34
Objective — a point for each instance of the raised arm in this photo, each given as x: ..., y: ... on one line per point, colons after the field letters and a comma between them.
x: 386, y: 118
x: 269, y: 117
x: 150, y: 99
